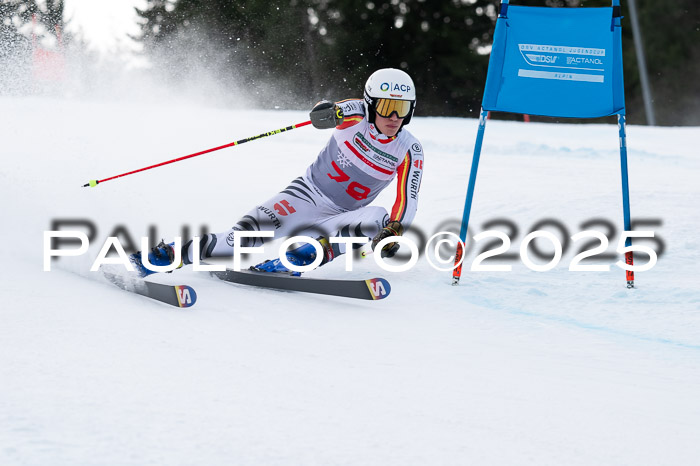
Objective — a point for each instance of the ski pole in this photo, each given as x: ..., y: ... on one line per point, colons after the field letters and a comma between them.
x: 93, y: 183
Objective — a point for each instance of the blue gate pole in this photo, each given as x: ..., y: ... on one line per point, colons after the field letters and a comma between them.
x: 457, y: 271
x: 622, y: 125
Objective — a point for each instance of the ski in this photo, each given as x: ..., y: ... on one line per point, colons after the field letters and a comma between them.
x: 371, y: 289
x: 175, y: 295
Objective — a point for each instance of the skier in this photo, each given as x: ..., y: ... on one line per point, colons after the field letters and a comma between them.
x: 368, y: 148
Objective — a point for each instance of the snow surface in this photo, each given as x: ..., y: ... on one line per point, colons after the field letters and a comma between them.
x: 520, y: 367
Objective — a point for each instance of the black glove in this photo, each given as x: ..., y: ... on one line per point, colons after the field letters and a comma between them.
x: 326, y: 115
x: 393, y: 228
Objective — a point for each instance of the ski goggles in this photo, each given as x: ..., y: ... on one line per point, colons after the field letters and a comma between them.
x: 385, y: 107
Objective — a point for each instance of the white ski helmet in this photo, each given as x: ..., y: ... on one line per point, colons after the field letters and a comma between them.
x: 390, y: 91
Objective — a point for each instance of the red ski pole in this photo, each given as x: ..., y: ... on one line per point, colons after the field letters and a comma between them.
x: 93, y: 183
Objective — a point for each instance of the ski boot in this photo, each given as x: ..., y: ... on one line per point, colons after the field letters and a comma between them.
x: 303, y: 255
x: 163, y: 254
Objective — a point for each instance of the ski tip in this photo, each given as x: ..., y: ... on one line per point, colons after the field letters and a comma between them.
x: 379, y: 288
x: 186, y: 296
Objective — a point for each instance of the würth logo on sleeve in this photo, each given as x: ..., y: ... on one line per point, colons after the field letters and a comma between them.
x: 415, y: 184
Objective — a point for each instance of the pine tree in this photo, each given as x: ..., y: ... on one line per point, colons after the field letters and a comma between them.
x: 14, y: 15
x: 15, y: 46
x: 443, y: 45
x: 311, y: 49
x: 262, y: 44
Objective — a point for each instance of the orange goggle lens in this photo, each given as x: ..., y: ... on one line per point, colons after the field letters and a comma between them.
x: 385, y: 107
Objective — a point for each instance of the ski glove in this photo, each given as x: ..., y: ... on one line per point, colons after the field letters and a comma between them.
x: 326, y: 115
x: 392, y: 228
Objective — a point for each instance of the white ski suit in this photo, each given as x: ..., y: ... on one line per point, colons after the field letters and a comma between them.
x: 332, y: 197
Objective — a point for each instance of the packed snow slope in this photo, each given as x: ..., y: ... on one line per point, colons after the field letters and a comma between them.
x: 518, y: 367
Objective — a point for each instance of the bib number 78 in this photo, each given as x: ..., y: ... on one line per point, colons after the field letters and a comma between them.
x: 354, y: 189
